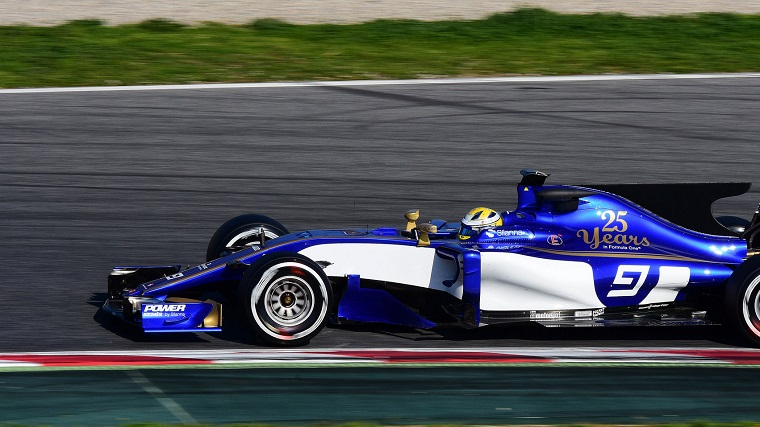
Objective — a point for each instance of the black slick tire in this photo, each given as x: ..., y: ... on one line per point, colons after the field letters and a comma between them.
x: 742, y: 299
x: 285, y: 298
x: 242, y: 230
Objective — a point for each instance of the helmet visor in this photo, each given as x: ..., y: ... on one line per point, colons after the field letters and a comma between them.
x: 466, y: 231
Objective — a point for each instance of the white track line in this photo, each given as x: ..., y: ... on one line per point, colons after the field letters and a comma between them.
x: 167, y: 402
x: 524, y: 79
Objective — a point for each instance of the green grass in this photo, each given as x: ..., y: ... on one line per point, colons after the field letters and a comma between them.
x: 524, y: 42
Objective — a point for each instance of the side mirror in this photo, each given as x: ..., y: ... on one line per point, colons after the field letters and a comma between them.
x: 424, y: 234
x: 411, y: 219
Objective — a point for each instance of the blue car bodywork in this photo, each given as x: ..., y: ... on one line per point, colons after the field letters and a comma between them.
x: 565, y: 256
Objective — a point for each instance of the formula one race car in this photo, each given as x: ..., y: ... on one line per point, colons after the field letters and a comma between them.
x: 601, y: 255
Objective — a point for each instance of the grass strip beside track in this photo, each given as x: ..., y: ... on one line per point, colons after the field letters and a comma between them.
x: 524, y: 42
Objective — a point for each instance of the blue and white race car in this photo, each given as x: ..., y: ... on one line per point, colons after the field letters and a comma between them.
x: 566, y: 256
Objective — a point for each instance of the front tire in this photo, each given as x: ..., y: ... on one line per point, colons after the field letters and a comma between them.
x: 743, y: 299
x: 242, y: 231
x: 286, y: 299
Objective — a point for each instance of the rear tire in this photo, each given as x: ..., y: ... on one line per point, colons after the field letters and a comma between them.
x: 241, y: 231
x: 743, y: 299
x: 286, y: 298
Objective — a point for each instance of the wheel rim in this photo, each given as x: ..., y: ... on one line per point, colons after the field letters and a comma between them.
x: 289, y: 300
x: 302, y: 315
x: 751, y: 306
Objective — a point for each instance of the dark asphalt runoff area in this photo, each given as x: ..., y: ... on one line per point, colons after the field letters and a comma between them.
x: 89, y: 180
x: 391, y: 396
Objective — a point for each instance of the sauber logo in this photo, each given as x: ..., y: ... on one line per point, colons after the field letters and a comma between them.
x: 165, y: 307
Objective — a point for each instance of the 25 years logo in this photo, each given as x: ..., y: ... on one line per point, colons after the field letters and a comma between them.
x: 612, y: 234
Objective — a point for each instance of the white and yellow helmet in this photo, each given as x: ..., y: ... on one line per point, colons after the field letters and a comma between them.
x: 478, y: 219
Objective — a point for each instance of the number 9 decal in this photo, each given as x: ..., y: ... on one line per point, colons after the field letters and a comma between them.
x: 621, y: 280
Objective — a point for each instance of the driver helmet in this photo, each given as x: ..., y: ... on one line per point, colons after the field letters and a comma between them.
x: 478, y: 219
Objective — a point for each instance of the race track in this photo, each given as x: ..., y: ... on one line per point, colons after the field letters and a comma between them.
x: 101, y: 178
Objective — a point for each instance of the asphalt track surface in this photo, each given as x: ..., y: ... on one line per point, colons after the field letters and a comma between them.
x: 101, y: 178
